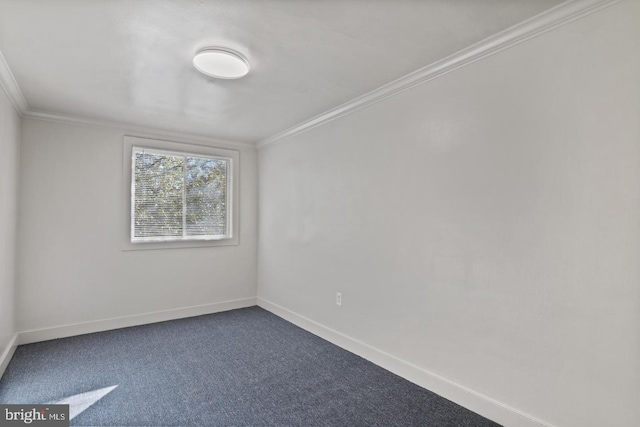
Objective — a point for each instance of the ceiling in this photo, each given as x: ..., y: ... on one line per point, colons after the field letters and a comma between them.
x: 130, y: 61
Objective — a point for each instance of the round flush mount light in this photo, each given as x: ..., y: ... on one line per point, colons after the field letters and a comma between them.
x: 221, y: 63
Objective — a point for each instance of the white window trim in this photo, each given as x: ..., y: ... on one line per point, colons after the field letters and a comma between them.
x: 190, y: 149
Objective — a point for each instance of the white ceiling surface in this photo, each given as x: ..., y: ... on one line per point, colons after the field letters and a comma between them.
x: 130, y: 61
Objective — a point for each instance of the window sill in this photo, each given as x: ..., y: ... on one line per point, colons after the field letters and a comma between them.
x: 179, y: 244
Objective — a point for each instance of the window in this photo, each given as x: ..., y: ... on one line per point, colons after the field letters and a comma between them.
x: 179, y: 193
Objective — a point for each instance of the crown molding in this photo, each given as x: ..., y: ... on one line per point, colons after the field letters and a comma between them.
x: 11, y: 88
x: 133, y: 130
x: 549, y: 20
x: 542, y: 23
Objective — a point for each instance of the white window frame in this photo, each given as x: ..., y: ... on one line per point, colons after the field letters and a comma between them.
x: 178, y: 148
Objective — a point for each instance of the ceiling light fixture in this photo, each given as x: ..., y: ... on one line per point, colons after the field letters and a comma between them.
x: 221, y: 63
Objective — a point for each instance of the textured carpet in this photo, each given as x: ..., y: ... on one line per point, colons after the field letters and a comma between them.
x: 238, y: 368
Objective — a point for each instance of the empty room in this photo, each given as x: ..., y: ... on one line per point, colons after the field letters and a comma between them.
x: 320, y: 213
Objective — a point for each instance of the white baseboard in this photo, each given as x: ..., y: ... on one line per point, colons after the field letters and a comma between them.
x: 36, y: 335
x: 7, y: 354
x: 476, y: 402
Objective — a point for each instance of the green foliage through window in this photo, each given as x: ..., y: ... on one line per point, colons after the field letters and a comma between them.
x: 178, y: 197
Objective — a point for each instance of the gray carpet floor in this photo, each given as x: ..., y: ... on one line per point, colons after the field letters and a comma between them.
x: 244, y: 367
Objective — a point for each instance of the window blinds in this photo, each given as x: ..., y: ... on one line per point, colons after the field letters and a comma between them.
x: 178, y: 196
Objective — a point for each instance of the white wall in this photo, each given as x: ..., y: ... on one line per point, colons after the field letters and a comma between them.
x: 72, y: 268
x: 484, y: 226
x: 9, y: 159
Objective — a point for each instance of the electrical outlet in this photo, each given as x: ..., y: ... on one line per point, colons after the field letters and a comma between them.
x: 338, y: 298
